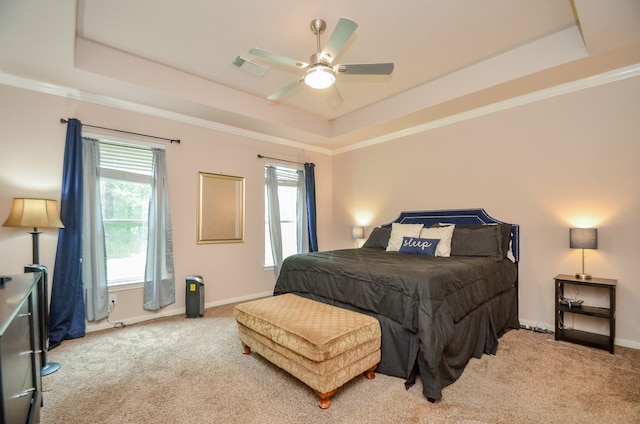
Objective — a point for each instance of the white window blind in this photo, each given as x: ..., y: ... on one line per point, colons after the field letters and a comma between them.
x: 123, y: 158
x: 286, y: 176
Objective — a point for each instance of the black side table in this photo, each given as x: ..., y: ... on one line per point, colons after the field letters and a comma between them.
x: 586, y: 338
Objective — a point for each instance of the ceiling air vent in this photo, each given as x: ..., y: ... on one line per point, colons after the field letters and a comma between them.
x: 249, y: 66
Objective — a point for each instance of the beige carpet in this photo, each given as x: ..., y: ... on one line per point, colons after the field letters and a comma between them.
x: 179, y: 370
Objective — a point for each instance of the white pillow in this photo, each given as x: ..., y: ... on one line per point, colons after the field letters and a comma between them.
x: 442, y: 233
x: 398, y: 231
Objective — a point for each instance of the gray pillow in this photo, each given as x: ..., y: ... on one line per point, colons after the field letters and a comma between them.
x: 485, y: 238
x: 480, y: 240
x: 378, y: 239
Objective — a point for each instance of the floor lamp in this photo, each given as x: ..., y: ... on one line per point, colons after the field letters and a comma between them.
x: 38, y: 213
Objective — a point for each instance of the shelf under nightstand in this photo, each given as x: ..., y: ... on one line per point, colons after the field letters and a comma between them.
x: 586, y: 338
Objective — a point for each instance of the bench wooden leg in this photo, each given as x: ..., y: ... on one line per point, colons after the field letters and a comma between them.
x: 325, y: 398
x: 370, y: 373
x: 247, y: 349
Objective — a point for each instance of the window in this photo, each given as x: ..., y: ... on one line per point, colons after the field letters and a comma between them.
x: 125, y: 190
x: 288, y: 197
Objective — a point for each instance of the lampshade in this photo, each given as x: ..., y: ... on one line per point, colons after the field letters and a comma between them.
x: 320, y: 76
x: 357, y: 233
x: 34, y: 213
x: 583, y: 238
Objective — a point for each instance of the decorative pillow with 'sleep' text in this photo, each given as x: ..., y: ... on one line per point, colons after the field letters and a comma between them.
x: 420, y: 246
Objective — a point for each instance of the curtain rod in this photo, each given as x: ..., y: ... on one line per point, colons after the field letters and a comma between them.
x: 281, y: 160
x: 171, y: 140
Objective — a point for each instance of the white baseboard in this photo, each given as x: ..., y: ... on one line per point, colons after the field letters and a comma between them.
x: 536, y: 324
x: 182, y: 311
x: 626, y: 343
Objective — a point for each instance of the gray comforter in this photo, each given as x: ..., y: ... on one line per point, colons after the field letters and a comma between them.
x: 448, y: 304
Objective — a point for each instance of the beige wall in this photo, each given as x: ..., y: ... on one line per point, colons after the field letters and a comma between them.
x: 566, y: 161
x: 562, y: 162
x: 32, y: 149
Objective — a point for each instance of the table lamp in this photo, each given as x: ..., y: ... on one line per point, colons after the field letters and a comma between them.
x: 583, y: 238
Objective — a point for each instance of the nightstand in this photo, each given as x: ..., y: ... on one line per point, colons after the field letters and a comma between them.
x: 586, y: 338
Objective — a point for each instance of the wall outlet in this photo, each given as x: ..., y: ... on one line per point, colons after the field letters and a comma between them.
x: 113, y: 299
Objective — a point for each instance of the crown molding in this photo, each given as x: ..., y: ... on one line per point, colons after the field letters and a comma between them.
x: 571, y: 87
x: 84, y: 96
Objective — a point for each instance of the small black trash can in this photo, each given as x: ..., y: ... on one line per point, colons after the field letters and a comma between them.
x: 194, y: 296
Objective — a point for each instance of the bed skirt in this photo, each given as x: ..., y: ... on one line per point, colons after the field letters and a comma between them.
x: 475, y: 334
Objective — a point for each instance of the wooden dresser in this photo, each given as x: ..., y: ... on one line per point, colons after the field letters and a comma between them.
x: 20, y: 348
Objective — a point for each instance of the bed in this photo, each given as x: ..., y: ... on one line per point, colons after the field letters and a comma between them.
x: 437, y: 309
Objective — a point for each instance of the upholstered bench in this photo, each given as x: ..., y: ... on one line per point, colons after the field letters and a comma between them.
x: 321, y: 345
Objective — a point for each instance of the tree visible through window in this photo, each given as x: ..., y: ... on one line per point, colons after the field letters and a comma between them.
x: 125, y: 189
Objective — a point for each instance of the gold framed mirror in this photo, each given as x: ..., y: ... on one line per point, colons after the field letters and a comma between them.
x: 220, y: 208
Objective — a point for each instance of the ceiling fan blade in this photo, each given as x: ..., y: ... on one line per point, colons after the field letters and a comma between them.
x: 278, y: 58
x: 366, y: 68
x: 284, y: 90
x: 338, y: 39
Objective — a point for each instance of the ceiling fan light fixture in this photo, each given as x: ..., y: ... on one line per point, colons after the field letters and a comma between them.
x: 320, y: 76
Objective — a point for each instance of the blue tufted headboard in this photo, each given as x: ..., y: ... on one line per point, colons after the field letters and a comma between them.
x: 459, y: 216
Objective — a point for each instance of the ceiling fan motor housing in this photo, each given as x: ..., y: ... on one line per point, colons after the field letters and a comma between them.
x: 320, y: 58
x: 318, y: 26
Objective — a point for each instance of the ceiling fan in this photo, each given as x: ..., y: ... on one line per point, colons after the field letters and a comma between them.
x: 321, y: 73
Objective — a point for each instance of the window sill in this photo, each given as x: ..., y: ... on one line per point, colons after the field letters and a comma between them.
x: 115, y: 287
